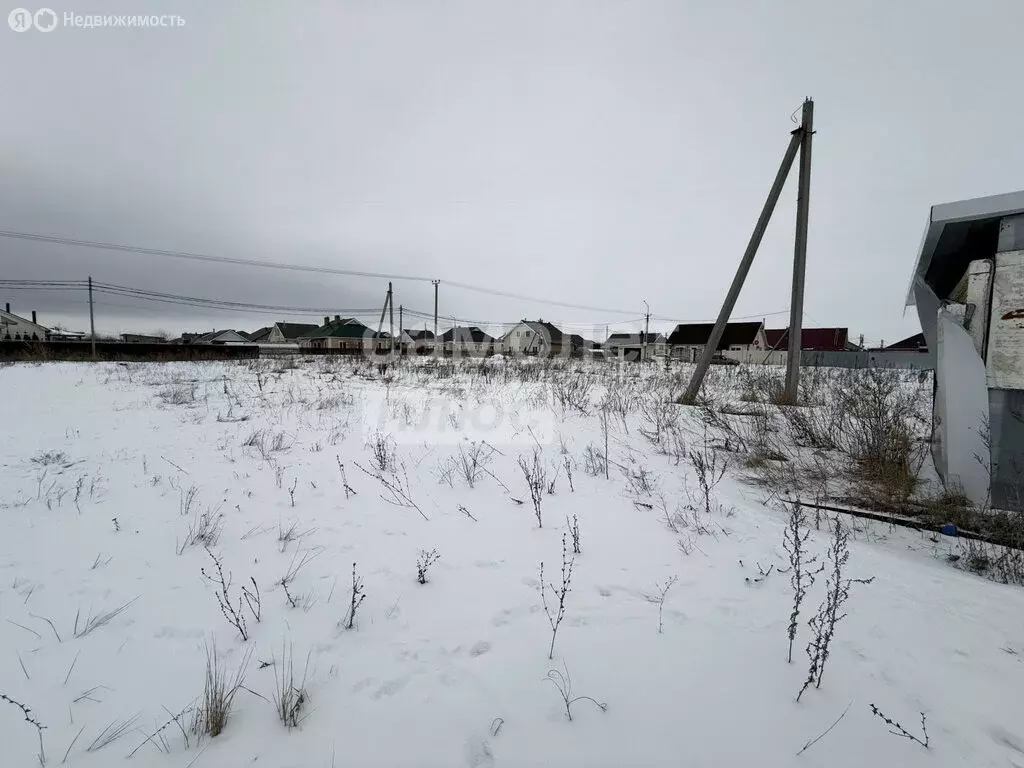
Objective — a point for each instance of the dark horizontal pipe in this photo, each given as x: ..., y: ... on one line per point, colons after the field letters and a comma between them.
x: 906, y: 523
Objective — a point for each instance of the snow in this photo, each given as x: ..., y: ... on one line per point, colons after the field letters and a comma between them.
x: 450, y: 673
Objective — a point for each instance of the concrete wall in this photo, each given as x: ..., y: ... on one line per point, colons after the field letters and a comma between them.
x: 118, y: 350
x: 851, y: 359
x: 1005, y: 358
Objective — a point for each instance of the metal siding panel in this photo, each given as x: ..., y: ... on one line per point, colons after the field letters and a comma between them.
x: 1007, y: 439
x: 961, y: 411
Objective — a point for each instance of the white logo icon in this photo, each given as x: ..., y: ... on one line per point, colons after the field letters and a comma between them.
x: 45, y: 20
x: 20, y: 20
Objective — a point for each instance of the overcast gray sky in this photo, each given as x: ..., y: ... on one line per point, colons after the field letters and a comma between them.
x: 597, y: 152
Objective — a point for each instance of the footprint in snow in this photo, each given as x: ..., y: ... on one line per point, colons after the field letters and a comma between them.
x: 480, y: 648
x: 391, y: 687
x: 478, y: 753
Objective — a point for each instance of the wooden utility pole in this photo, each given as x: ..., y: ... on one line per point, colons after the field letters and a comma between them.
x: 647, y: 325
x: 400, y: 327
x: 796, y: 305
x: 383, y: 311
x: 436, y: 283
x: 391, y: 319
x: 798, y: 141
x: 92, y: 321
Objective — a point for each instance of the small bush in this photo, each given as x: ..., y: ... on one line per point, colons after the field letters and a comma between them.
x: 423, y: 563
x: 290, y: 694
x: 219, y: 692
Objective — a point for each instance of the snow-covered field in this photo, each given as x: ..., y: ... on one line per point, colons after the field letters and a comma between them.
x: 107, y: 471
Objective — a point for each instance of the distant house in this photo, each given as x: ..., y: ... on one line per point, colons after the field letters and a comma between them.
x: 283, y: 333
x: 915, y: 343
x: 740, y: 341
x: 811, y: 339
x: 141, y: 338
x: 343, y: 334
x: 535, y: 337
x: 629, y: 346
x: 259, y: 336
x: 468, y: 341
x: 418, y: 342
x: 15, y: 328
x: 218, y: 337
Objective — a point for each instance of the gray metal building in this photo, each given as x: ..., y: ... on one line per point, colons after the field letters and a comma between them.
x: 968, y: 288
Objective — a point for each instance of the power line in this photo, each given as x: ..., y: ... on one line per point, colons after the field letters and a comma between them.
x: 202, y: 257
x: 163, y: 252
x: 255, y: 308
x: 171, y: 297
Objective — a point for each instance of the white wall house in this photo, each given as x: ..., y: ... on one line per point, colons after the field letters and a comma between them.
x: 629, y: 346
x: 534, y: 337
x: 15, y: 328
x: 221, y: 337
x: 744, y: 342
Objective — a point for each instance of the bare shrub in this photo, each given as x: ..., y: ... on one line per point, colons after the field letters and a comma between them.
x: 659, y: 599
x: 884, y: 432
x: 640, y: 480
x: 595, y: 463
x: 471, y: 463
x: 574, y: 531
x: 555, y: 619
x: 344, y: 479
x: 620, y: 400
x: 383, y: 452
x: 219, y: 690
x: 800, y: 563
x: 290, y: 694
x: 553, y: 482
x: 50, y: 458
x: 178, y: 394
x: 572, y: 392
x: 898, y: 730
x: 837, y: 592
x: 1004, y: 564
x: 233, y: 615
x: 659, y: 418
x: 564, y: 685
x: 28, y: 717
x: 204, y: 531
x: 358, y: 595
x: 536, y: 477
x: 816, y: 427
x: 423, y: 563
x: 397, y: 487
x: 710, y: 468
x: 445, y: 471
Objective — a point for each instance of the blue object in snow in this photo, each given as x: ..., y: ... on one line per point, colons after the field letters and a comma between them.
x: 949, y: 529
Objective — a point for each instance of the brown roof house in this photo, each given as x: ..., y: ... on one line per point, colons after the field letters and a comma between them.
x: 344, y: 335
x: 742, y: 342
x: 535, y: 337
x: 468, y: 341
